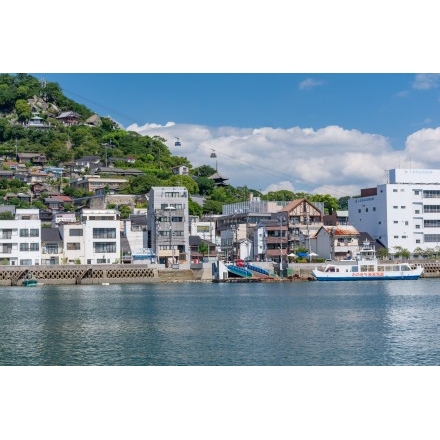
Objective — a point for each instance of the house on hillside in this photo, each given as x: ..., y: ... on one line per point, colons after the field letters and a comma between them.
x: 69, y: 118
x: 37, y: 122
x: 31, y: 158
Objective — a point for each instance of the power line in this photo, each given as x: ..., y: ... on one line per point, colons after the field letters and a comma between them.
x: 114, y: 111
x: 260, y: 167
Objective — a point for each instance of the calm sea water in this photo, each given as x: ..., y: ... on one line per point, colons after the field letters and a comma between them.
x: 303, y: 323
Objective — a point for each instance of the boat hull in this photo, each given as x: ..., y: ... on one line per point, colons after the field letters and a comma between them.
x: 366, y: 276
x: 325, y: 277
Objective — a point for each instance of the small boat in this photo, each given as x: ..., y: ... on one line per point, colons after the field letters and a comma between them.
x: 367, y: 267
x: 30, y: 282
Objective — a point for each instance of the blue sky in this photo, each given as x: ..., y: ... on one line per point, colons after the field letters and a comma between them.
x: 331, y: 133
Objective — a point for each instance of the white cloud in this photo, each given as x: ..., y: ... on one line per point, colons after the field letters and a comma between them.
x: 426, y: 81
x: 309, y: 83
x: 329, y: 160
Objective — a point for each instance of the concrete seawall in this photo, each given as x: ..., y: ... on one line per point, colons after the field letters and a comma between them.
x: 96, y: 274
x: 142, y: 273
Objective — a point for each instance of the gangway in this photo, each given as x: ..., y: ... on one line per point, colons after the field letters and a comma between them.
x: 239, y: 271
x: 258, y: 269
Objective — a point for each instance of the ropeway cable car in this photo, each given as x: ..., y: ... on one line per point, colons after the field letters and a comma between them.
x: 177, y: 143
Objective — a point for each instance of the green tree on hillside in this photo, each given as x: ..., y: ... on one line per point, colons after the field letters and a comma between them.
x: 23, y: 110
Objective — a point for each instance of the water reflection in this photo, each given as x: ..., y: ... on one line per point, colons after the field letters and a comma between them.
x: 338, y: 323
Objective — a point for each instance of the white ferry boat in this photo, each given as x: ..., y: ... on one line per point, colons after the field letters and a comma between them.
x: 367, y: 267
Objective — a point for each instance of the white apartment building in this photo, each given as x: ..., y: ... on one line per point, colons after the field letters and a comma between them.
x: 404, y: 212
x: 204, y: 229
x: 167, y: 220
x: 95, y: 239
x: 20, y: 239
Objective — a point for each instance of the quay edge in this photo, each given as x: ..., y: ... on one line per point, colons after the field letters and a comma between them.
x: 145, y: 273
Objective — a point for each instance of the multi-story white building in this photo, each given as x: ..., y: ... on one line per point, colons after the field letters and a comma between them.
x: 167, y: 220
x: 95, y: 239
x: 404, y: 212
x: 20, y: 238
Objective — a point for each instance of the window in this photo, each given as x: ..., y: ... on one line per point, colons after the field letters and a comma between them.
x: 171, y: 194
x: 6, y: 234
x: 104, y: 232
x: 431, y: 223
x: 416, y: 192
x: 395, y: 222
x: 75, y: 232
x: 417, y: 241
x: 366, y: 209
x: 417, y: 226
x: 34, y: 247
x: 406, y: 223
x: 395, y: 207
x: 374, y: 208
x: 431, y: 208
x: 24, y: 247
x: 24, y: 232
x: 394, y: 190
x: 104, y: 247
x: 403, y: 207
x: 52, y: 248
x: 432, y: 238
x: 26, y: 262
x: 73, y: 246
x: 396, y: 236
x: 359, y: 211
x: 172, y: 205
x: 431, y: 194
x: 417, y: 211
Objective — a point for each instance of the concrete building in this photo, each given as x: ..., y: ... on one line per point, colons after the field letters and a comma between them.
x: 51, y: 246
x: 404, y: 212
x: 93, y: 183
x: 136, y: 233
x: 337, y: 242
x: 168, y: 221
x: 95, y: 239
x: 20, y: 238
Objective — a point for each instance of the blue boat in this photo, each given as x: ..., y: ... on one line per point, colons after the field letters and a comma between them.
x: 30, y: 282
